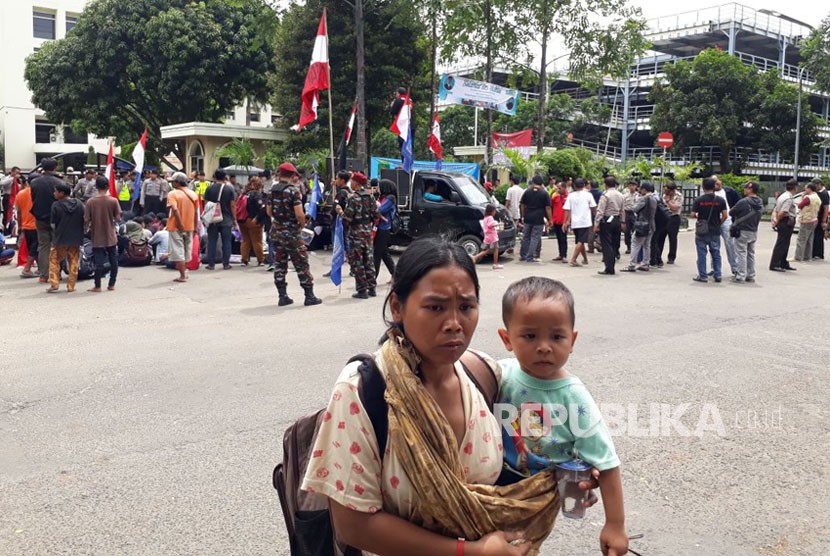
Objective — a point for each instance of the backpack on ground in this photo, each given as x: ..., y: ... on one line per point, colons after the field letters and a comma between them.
x: 138, y: 253
x: 86, y: 266
x: 307, y: 517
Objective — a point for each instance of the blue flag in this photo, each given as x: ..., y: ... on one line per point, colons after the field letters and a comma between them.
x: 315, y: 198
x: 338, y: 256
x: 407, y: 154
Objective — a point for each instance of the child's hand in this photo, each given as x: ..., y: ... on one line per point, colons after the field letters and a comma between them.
x: 613, y: 540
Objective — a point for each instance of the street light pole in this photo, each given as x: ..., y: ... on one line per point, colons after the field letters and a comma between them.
x: 798, y: 124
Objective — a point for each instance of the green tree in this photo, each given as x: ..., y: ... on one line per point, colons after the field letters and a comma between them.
x: 774, y: 115
x: 396, y: 56
x: 458, y: 127
x: 595, y: 46
x: 563, y: 163
x: 705, y: 101
x: 164, y: 62
x: 483, y: 30
x: 815, y: 55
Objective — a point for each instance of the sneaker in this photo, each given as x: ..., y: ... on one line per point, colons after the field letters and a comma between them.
x: 718, y: 280
x: 227, y: 267
x: 210, y: 267
x: 736, y: 280
x: 270, y: 268
x: 244, y: 263
x: 700, y: 279
x: 642, y: 268
x: 497, y: 267
x: 628, y: 269
x: 750, y: 280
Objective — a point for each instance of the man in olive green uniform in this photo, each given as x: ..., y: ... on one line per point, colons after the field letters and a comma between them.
x: 287, y: 219
x: 359, y: 217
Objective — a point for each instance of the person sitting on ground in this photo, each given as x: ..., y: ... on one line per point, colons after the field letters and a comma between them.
x: 155, y: 223
x: 431, y: 195
x: 538, y: 315
x: 6, y: 253
x: 161, y: 243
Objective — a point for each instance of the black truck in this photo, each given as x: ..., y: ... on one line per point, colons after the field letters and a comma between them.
x: 458, y: 215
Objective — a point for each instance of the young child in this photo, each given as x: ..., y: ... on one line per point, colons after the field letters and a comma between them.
x: 538, y: 315
x: 491, y: 237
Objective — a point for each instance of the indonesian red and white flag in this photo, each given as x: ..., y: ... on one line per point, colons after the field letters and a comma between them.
x: 434, y: 141
x: 317, y: 78
x: 401, y: 125
x: 110, y: 172
x: 350, y: 127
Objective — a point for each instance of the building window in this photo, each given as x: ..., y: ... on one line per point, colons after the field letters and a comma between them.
x: 44, y: 132
x: 37, y: 49
x: 229, y: 116
x: 254, y: 116
x: 71, y: 22
x: 197, y: 157
x: 69, y: 136
x: 44, y: 25
x: 276, y: 119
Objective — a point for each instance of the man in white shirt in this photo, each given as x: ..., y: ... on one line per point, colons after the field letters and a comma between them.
x: 514, y: 197
x: 579, y: 209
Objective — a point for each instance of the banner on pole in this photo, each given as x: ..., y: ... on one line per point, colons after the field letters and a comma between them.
x: 455, y: 89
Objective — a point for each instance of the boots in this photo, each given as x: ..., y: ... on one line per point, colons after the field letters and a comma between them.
x: 284, y: 299
x: 310, y: 298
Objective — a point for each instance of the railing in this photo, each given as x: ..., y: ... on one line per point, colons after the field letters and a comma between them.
x: 738, y: 13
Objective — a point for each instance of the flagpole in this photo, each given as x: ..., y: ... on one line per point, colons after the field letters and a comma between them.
x: 331, y: 112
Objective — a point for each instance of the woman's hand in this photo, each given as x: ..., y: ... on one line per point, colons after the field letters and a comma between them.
x: 613, y: 540
x: 498, y: 544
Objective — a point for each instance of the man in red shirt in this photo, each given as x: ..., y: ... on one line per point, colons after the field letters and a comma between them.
x: 557, y: 203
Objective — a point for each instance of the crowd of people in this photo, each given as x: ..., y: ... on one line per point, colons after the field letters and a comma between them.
x: 647, y: 222
x: 80, y: 229
x: 182, y: 222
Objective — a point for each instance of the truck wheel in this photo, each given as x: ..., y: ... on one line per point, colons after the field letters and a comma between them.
x: 471, y: 244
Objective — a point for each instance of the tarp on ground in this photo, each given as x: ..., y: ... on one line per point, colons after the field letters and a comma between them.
x: 378, y: 164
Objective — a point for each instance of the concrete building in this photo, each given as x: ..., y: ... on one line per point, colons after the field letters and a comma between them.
x: 24, y: 131
x: 759, y: 38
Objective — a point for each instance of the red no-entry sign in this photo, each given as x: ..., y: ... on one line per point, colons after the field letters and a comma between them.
x: 665, y: 140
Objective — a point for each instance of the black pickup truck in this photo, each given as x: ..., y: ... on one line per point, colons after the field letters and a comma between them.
x: 458, y: 215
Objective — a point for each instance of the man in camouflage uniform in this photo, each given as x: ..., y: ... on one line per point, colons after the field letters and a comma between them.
x: 287, y: 219
x: 359, y: 216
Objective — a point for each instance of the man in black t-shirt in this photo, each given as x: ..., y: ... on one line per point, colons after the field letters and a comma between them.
x: 535, y: 208
x: 711, y: 210
x: 222, y: 192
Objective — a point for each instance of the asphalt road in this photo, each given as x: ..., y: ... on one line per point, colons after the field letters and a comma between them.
x: 147, y: 421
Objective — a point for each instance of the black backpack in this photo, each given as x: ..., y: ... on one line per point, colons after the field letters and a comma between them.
x: 307, y: 517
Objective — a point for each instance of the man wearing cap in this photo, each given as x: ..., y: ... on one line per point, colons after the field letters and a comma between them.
x: 359, y: 216
x: 182, y: 224
x: 823, y: 214
x: 287, y: 219
x: 154, y: 191
x: 85, y: 188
